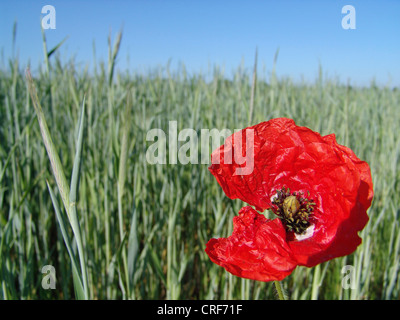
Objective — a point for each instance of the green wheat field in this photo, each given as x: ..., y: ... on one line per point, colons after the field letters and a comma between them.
x: 114, y: 226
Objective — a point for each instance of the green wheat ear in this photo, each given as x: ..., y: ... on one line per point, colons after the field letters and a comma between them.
x: 68, y: 193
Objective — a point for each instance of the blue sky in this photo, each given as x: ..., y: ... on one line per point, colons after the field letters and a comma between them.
x: 205, y: 33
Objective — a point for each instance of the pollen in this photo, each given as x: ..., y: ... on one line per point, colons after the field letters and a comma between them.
x: 294, y: 210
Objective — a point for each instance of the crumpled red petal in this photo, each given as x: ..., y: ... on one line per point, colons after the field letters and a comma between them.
x: 343, y: 188
x: 286, y: 155
x: 256, y: 250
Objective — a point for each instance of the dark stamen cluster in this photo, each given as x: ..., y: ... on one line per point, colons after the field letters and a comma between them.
x: 294, y: 209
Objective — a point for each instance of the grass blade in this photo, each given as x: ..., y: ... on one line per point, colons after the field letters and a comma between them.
x: 55, y: 162
x: 73, y: 197
x: 56, y: 47
x: 59, y: 175
x: 79, y: 291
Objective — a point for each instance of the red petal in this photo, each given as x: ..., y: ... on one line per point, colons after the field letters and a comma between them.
x: 256, y: 250
x: 345, y: 194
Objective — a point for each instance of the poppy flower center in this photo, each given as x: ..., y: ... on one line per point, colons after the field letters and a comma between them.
x: 294, y: 210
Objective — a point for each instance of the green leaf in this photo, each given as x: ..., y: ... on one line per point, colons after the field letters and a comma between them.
x: 56, y: 47
x: 79, y: 291
x: 78, y: 158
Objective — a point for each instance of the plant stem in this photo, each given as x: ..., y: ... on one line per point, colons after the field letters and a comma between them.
x: 279, y: 290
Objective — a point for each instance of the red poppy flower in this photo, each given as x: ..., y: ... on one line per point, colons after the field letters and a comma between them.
x: 319, y: 191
